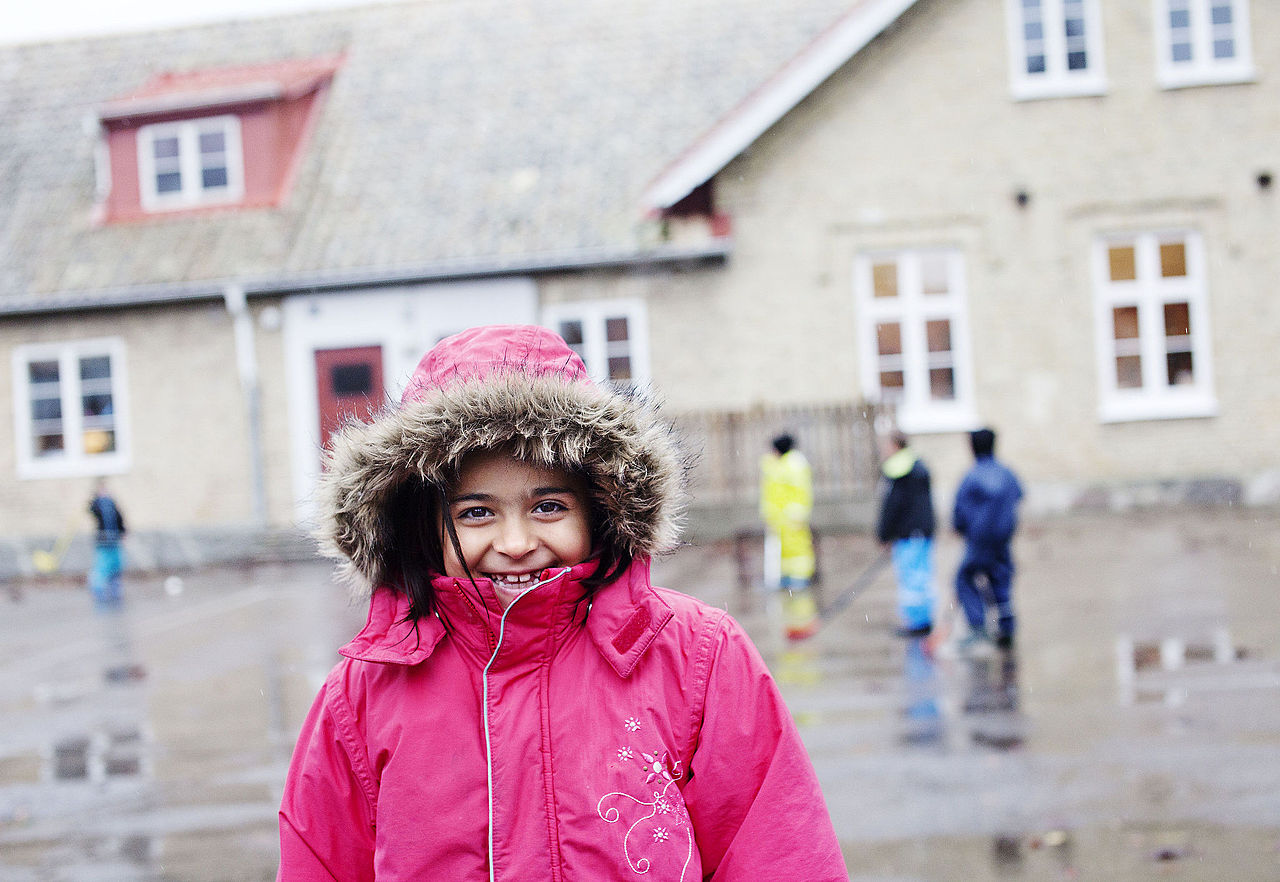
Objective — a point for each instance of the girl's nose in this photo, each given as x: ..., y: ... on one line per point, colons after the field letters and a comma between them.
x: 515, y: 539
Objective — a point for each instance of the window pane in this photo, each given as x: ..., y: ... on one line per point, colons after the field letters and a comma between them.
x: 1123, y: 263
x: 46, y: 409
x: 1129, y: 372
x: 43, y: 371
x: 1224, y: 48
x: 1221, y: 13
x: 889, y: 338
x: 620, y: 368
x: 169, y: 182
x: 1125, y: 319
x: 571, y: 332
x: 95, y: 368
x: 933, y: 274
x: 1173, y: 260
x: 213, y: 178
x: 891, y: 383
x: 885, y: 279
x: 48, y: 445
x: 1035, y: 64
x: 1181, y: 52
x: 351, y: 380
x: 1177, y: 319
x: 165, y: 148
x: 213, y: 142
x: 615, y: 330
x: 1179, y: 369
x: 1074, y: 30
x: 942, y: 385
x: 97, y: 405
x: 98, y: 441
x: 939, y: 334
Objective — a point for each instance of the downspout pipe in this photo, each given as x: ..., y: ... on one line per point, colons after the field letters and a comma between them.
x: 233, y: 296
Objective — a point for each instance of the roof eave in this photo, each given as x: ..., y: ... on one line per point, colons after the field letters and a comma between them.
x: 712, y: 251
x: 776, y: 97
x: 179, y: 102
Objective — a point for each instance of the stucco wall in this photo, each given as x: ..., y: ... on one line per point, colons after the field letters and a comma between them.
x: 190, y: 456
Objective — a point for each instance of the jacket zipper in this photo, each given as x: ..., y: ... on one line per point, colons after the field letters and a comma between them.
x: 484, y: 679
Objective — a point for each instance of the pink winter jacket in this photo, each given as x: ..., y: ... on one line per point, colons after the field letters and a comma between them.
x: 648, y: 742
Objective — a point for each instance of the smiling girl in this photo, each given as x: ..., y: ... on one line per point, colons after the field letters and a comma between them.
x: 523, y: 704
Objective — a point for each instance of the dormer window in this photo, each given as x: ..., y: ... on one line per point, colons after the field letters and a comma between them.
x: 212, y: 138
x: 192, y: 163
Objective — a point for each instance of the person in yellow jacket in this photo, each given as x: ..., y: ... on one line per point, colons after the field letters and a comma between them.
x: 786, y: 503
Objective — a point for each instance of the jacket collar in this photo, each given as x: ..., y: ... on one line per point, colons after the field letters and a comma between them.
x: 622, y: 619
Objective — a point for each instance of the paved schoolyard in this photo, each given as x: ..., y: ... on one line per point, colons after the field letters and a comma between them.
x: 1134, y: 733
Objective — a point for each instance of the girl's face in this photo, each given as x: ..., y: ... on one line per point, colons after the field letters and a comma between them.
x: 515, y: 520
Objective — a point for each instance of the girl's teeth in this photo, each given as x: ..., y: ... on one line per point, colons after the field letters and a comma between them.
x: 512, y: 579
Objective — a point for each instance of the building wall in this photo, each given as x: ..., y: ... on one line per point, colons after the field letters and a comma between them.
x: 190, y: 457
x: 917, y: 142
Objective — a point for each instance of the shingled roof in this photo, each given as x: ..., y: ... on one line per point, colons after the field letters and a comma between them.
x: 457, y: 133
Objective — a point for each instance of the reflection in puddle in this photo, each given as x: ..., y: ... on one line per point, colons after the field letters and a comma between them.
x: 124, y: 673
x: 1146, y: 670
x: 119, y: 752
x: 71, y: 759
x: 991, y: 702
x: 922, y: 713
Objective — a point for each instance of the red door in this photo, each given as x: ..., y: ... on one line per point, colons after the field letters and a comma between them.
x: 348, y: 382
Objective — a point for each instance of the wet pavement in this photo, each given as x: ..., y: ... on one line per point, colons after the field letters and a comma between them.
x: 1133, y: 734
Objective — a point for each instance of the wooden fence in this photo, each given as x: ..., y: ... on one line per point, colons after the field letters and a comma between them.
x: 839, y: 441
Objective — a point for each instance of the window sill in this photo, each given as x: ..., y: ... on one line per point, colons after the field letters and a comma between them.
x: 158, y: 205
x: 1180, y: 79
x: 62, y: 467
x: 1119, y: 410
x: 1023, y: 90
x: 937, y: 420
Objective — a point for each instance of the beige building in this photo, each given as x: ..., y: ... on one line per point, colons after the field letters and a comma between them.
x: 1057, y: 218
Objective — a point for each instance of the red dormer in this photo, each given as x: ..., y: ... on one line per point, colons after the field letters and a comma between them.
x: 226, y: 137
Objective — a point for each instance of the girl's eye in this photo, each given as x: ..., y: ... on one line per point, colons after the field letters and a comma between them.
x: 550, y: 506
x: 473, y: 513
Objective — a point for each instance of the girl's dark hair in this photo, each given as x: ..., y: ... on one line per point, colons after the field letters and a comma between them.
x: 420, y: 525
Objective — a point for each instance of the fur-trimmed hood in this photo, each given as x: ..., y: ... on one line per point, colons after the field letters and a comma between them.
x: 490, y: 387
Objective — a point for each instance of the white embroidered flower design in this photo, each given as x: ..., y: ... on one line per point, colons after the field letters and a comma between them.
x: 666, y: 801
x: 658, y: 765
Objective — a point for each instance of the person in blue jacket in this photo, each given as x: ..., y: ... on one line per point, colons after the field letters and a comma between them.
x: 108, y: 558
x: 986, y: 515
x: 907, y: 525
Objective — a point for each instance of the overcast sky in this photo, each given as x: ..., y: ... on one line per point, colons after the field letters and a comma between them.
x: 27, y: 21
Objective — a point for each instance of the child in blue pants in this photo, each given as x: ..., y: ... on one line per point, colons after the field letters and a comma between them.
x: 986, y: 515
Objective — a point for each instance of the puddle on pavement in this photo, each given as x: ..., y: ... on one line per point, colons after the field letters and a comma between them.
x: 1130, y: 852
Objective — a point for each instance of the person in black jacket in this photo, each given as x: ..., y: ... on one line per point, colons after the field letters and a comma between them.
x: 907, y: 525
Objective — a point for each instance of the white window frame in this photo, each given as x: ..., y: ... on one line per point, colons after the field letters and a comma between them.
x: 1156, y: 399
x: 73, y: 461
x: 1203, y: 69
x: 192, y: 194
x: 595, y: 350
x: 917, y: 412
x: 1057, y: 80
